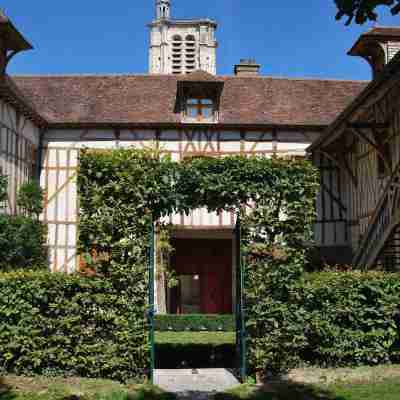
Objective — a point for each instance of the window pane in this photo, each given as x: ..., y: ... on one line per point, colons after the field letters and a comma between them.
x: 206, y: 101
x: 192, y: 112
x: 207, y: 112
x: 192, y: 101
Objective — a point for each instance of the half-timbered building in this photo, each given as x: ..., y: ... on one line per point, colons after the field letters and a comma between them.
x: 185, y: 111
x: 359, y: 156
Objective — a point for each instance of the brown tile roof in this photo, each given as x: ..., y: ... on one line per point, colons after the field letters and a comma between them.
x: 200, y: 76
x: 13, y: 95
x: 148, y: 99
x: 383, y: 31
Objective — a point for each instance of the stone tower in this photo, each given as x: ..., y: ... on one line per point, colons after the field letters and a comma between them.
x: 180, y: 46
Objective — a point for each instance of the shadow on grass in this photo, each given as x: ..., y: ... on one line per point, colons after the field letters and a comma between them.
x: 5, y: 391
x: 279, y: 390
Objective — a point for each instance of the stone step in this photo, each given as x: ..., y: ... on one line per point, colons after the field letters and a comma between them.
x: 194, y: 383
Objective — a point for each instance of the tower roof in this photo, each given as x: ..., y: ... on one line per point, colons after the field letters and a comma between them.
x: 15, y: 41
x: 378, y: 34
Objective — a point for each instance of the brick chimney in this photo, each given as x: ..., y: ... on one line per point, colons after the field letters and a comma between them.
x: 247, y: 67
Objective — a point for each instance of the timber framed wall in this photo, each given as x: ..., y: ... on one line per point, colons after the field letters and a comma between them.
x: 19, y: 141
x: 61, y: 159
x: 363, y: 146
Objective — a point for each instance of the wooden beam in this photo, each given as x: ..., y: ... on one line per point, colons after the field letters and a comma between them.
x: 368, y: 125
x: 361, y: 135
x: 341, y: 162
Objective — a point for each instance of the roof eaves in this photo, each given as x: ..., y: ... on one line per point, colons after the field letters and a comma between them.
x: 335, y: 129
x: 11, y: 94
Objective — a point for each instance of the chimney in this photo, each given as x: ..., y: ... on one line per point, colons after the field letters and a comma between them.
x: 247, y: 67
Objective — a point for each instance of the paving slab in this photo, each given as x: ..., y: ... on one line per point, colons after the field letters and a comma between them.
x: 194, y: 383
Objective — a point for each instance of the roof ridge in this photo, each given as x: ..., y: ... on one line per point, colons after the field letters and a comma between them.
x: 177, y: 77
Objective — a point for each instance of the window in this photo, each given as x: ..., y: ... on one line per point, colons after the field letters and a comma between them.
x: 200, y: 110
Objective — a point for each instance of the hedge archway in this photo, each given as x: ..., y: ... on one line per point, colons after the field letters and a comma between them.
x: 122, y: 191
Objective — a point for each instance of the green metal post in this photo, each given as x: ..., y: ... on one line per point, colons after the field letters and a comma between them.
x: 151, y: 302
x: 240, y: 318
x: 243, y: 371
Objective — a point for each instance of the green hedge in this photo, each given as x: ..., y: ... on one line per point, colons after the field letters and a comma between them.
x: 22, y: 243
x: 327, y: 319
x: 351, y: 318
x: 195, y: 323
x: 195, y: 350
x: 58, y: 324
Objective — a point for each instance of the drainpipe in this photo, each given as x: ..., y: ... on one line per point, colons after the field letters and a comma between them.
x: 38, y: 171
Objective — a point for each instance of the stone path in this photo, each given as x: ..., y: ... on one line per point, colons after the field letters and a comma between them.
x: 194, y: 383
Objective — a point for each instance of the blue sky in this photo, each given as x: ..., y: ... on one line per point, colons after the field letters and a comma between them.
x: 99, y: 36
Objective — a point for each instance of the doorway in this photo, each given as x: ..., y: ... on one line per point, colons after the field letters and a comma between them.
x: 205, y: 278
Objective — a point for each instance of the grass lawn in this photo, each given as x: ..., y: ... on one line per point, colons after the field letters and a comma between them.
x: 182, y: 338
x: 40, y: 388
x: 384, y: 390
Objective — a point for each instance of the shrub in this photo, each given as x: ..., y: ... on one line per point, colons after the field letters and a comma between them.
x: 3, y: 188
x: 195, y: 322
x: 22, y: 243
x: 30, y: 199
x: 327, y: 319
x: 175, y: 355
x: 58, y: 324
x: 195, y: 350
x: 274, y: 322
x: 351, y: 317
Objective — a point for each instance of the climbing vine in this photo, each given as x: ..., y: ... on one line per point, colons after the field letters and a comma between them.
x: 123, y: 191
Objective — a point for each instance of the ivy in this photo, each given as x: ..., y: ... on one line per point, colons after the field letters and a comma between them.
x: 122, y: 190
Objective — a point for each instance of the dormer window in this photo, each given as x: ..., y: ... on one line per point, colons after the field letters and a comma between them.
x: 199, y: 110
x: 198, y: 97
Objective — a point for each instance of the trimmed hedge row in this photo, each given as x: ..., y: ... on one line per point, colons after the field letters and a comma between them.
x: 329, y: 319
x: 58, y: 324
x: 198, y: 355
x: 195, y: 323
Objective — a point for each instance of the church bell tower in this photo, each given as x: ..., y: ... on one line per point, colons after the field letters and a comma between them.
x: 163, y: 9
x: 181, y: 46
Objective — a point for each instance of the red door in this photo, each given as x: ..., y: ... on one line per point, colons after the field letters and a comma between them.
x: 211, y: 261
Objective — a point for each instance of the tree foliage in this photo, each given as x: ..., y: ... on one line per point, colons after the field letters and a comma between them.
x: 363, y: 10
x: 23, y: 237
x: 30, y: 199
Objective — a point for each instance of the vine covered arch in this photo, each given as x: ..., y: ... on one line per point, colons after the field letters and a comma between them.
x: 123, y: 191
